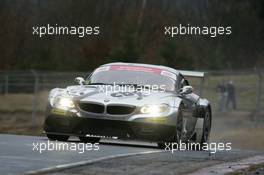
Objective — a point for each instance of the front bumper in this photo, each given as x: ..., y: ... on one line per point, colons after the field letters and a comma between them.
x: 83, y: 126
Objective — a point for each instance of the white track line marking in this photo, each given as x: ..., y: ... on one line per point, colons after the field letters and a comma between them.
x: 82, y: 163
x: 230, y: 166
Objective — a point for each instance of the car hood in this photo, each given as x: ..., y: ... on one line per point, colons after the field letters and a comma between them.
x: 107, y: 95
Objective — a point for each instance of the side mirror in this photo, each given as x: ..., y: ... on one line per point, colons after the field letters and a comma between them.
x: 79, y: 80
x: 186, y: 90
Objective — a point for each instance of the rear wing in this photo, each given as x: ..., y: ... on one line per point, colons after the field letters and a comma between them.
x: 196, y: 74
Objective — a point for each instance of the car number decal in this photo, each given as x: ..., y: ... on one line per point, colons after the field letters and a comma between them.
x: 122, y: 94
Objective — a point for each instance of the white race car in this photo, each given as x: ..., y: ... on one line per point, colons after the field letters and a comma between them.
x: 130, y: 101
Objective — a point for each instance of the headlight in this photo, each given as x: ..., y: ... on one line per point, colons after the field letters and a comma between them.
x: 63, y: 103
x: 154, y: 109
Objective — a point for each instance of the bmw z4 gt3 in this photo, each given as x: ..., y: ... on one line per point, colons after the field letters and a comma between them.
x: 130, y: 101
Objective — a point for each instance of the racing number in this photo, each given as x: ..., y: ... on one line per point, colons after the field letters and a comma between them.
x: 122, y: 94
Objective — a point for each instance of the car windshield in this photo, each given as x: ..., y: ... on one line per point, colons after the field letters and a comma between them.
x: 133, y: 75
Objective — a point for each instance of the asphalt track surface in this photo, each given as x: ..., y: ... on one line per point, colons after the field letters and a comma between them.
x: 18, y: 157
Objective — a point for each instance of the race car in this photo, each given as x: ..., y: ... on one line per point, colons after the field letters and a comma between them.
x: 130, y: 101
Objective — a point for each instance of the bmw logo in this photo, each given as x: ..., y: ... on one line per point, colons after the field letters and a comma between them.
x: 106, y: 100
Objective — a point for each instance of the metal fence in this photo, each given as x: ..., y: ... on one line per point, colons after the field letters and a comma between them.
x: 248, y: 88
x: 30, y: 81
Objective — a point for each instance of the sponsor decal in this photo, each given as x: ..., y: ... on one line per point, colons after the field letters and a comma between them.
x: 137, y: 68
x: 102, y: 69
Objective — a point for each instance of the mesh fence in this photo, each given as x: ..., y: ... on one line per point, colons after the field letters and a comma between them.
x: 26, y: 82
x: 34, y: 87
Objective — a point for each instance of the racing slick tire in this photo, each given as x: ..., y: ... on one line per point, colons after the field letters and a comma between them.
x: 206, y: 127
x: 178, y: 131
x: 89, y: 139
x: 58, y: 137
x: 207, y: 122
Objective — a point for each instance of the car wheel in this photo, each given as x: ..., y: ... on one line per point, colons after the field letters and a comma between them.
x: 206, y: 128
x: 89, y: 139
x: 178, y: 132
x: 58, y: 137
x: 179, y: 126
